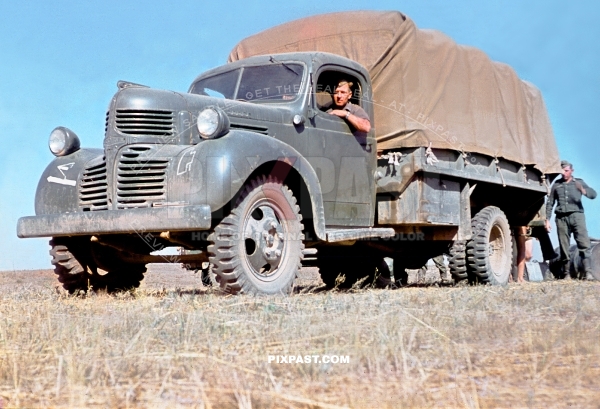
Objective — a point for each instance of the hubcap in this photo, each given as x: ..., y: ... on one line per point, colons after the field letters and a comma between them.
x: 497, y: 251
x: 263, y: 240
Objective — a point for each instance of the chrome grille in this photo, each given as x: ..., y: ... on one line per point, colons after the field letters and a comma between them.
x: 92, y: 187
x: 145, y: 122
x: 140, y: 178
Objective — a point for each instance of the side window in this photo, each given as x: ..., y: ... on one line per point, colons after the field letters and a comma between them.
x: 326, y: 84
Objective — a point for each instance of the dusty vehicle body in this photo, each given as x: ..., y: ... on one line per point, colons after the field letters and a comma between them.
x: 252, y: 178
x: 159, y: 183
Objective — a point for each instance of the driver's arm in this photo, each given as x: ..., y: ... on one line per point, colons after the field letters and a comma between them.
x: 360, y: 124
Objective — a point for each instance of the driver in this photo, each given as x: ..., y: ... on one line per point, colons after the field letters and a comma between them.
x: 343, y: 108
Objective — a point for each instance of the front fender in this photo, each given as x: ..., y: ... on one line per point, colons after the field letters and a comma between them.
x: 213, y: 171
x: 57, y: 189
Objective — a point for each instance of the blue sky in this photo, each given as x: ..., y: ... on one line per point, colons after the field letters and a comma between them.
x: 60, y: 61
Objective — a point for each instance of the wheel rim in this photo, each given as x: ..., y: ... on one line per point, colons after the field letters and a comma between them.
x: 497, y: 251
x: 264, y: 244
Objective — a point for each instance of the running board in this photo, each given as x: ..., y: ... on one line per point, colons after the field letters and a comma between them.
x: 335, y: 235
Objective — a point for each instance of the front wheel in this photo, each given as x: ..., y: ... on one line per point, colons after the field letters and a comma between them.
x: 489, y: 253
x: 257, y: 249
x: 80, y: 268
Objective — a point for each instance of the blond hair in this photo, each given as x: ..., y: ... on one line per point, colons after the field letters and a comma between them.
x: 344, y: 82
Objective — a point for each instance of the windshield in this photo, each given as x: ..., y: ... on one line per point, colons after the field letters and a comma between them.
x: 261, y: 84
x: 219, y: 86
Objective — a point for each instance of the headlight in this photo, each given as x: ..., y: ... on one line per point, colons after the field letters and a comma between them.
x: 212, y: 123
x: 63, y: 141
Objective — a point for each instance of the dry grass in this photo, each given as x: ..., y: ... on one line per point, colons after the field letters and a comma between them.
x: 534, y: 345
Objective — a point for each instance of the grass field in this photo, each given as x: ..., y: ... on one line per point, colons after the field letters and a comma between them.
x: 533, y: 345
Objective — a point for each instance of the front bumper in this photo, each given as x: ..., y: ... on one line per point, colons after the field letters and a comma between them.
x: 155, y: 219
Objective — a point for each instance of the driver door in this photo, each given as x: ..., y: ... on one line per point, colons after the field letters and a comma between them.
x: 343, y: 158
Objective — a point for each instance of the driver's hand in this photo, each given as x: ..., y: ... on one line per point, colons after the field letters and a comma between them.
x: 339, y: 112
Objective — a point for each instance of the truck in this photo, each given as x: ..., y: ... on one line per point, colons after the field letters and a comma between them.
x: 250, y: 176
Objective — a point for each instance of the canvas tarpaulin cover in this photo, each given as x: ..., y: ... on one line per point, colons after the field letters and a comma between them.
x: 426, y: 88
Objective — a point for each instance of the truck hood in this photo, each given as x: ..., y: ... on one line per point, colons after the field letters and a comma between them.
x: 145, y: 115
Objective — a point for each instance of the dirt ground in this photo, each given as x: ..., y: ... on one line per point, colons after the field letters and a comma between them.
x: 517, y: 346
x: 532, y: 345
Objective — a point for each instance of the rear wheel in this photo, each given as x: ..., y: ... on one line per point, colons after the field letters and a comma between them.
x: 79, y: 268
x: 489, y: 253
x: 258, y: 248
x: 457, y: 260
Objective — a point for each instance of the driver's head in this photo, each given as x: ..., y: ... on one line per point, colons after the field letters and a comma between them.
x: 342, y: 94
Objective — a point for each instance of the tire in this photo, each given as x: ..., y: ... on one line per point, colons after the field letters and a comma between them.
x: 258, y: 248
x: 457, y: 260
x: 78, y: 269
x: 489, y: 253
x: 205, y: 270
x: 208, y: 276
x: 514, y: 269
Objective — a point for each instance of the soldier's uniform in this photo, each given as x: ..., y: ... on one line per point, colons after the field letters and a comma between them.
x: 570, y: 219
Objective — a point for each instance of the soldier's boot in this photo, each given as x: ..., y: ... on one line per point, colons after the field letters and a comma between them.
x: 587, y: 267
x: 566, y: 271
x: 446, y: 277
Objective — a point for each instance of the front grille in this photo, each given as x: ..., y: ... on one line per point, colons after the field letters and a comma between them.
x: 92, y: 188
x: 145, y: 122
x: 140, y: 178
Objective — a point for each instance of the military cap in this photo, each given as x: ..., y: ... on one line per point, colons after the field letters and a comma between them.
x: 565, y: 163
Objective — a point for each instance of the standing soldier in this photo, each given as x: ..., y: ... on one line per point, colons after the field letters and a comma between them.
x: 566, y: 192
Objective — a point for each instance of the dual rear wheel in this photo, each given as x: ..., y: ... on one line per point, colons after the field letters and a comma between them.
x: 485, y: 259
x: 488, y: 257
x: 489, y: 253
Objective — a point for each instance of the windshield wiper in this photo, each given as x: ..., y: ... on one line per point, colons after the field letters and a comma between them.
x: 273, y: 60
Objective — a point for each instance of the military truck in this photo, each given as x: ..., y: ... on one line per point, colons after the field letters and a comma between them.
x: 252, y: 178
